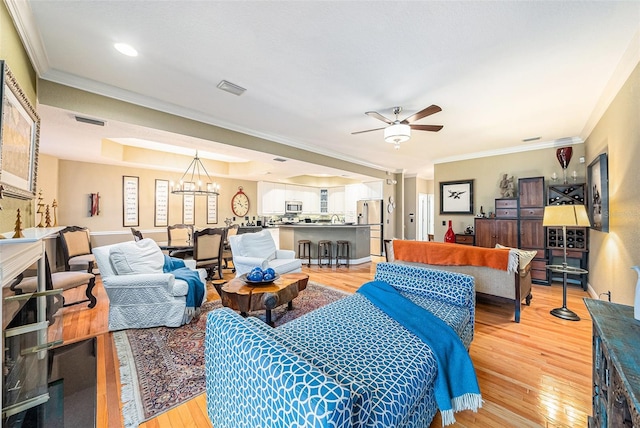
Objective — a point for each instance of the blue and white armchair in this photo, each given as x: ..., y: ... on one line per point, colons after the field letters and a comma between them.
x: 258, y: 249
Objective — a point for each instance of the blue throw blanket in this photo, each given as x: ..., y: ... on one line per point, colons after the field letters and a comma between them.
x: 191, y: 277
x: 456, y: 385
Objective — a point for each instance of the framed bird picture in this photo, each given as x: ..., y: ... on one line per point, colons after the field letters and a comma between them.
x: 456, y: 197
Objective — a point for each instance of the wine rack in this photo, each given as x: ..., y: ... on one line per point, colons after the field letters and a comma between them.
x: 577, y: 238
x: 566, y: 194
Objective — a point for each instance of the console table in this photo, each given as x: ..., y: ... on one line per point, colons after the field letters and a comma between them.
x: 25, y: 343
x: 616, y: 365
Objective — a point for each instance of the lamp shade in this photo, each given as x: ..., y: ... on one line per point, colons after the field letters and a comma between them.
x: 397, y: 133
x: 566, y: 215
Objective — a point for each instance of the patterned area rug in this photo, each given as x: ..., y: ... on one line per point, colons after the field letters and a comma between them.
x: 163, y: 367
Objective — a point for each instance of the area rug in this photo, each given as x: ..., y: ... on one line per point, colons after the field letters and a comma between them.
x: 163, y: 367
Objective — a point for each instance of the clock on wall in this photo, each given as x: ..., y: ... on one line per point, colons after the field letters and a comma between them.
x: 240, y: 203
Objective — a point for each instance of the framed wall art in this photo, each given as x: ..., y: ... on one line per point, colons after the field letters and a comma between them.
x: 130, y: 201
x: 188, y: 207
x: 19, y: 138
x: 456, y: 197
x: 212, y: 209
x: 598, y: 201
x: 161, y: 212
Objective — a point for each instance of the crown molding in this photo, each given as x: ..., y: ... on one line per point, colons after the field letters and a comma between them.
x: 24, y: 22
x: 561, y: 142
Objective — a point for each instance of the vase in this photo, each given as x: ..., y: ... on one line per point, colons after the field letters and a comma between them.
x: 450, y: 235
x: 636, y: 302
x: 564, y: 157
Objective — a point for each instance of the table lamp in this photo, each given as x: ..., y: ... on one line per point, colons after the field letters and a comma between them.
x: 565, y: 216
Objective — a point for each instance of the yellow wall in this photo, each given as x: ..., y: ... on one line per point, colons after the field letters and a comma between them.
x: 12, y: 51
x: 487, y: 173
x: 612, y: 254
x: 77, y: 180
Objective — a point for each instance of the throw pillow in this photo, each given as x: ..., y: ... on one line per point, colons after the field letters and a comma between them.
x: 523, y: 255
x: 259, y: 245
x: 129, y: 258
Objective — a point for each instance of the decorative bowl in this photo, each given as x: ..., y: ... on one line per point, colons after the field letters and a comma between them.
x: 244, y: 278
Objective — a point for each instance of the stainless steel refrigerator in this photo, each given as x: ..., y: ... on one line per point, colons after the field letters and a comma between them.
x: 370, y: 212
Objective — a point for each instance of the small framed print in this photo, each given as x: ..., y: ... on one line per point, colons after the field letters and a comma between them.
x: 130, y: 201
x: 212, y: 209
x: 188, y: 208
x: 456, y: 197
x: 161, y: 211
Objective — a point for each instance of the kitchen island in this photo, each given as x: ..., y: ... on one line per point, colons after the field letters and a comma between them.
x: 356, y: 234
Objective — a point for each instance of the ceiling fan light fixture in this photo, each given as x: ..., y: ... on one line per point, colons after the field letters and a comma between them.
x: 397, y: 133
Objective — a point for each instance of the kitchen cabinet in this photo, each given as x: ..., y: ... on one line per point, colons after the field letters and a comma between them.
x: 336, y: 200
x: 271, y: 198
x: 491, y: 231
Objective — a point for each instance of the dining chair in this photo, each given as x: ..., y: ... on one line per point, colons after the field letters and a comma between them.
x: 58, y: 281
x: 227, y: 255
x: 76, y: 249
x: 137, y: 235
x: 207, y: 250
x: 182, y: 233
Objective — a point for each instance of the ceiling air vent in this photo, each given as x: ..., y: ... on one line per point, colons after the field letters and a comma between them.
x: 232, y: 88
x: 90, y: 121
x: 279, y: 159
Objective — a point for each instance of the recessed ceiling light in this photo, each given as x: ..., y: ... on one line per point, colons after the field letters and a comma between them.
x: 125, y: 49
x: 279, y: 159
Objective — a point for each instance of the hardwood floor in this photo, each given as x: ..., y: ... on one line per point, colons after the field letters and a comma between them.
x: 531, y: 374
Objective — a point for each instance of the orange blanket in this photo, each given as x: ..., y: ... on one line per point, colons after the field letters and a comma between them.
x: 446, y: 254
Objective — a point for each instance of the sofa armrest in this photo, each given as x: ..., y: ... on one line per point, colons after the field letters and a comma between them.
x: 134, y: 289
x: 285, y: 254
x: 451, y: 287
x: 241, y: 359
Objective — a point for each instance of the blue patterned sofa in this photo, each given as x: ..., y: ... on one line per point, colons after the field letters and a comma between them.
x: 346, y: 364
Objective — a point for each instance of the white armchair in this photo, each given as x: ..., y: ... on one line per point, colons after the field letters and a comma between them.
x: 258, y: 249
x: 140, y: 294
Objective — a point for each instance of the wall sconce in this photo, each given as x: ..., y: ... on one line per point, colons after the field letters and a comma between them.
x: 390, y: 181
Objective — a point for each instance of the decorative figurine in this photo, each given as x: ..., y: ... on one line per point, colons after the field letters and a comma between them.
x: 18, y: 228
x: 40, y: 209
x: 55, y: 217
x: 47, y: 217
x: 507, y: 186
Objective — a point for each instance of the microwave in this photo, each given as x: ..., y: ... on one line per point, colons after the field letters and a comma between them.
x: 293, y: 207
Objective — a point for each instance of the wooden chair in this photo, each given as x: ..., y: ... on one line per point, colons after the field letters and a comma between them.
x: 76, y: 249
x: 180, y: 233
x: 58, y: 280
x: 207, y: 250
x: 137, y: 235
x: 227, y: 255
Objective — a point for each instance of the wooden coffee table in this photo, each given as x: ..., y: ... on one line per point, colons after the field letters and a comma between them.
x: 244, y: 297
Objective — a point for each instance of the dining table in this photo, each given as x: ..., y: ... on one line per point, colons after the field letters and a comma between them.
x: 177, y: 248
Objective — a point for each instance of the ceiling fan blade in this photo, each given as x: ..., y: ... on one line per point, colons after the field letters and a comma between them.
x: 378, y: 116
x: 432, y: 109
x: 368, y: 130
x: 433, y: 128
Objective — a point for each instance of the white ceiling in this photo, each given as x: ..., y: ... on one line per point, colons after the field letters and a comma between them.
x: 501, y: 71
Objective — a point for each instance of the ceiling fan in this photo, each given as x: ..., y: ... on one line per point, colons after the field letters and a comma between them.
x: 399, y: 131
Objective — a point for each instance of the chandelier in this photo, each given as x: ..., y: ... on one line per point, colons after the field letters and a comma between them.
x: 191, y: 181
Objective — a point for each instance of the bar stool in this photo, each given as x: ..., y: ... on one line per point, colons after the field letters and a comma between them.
x: 343, y: 250
x: 324, y: 252
x: 304, y: 250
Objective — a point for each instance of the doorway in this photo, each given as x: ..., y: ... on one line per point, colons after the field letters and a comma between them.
x: 425, y: 216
